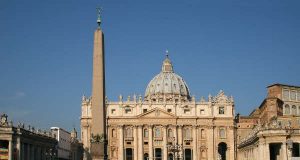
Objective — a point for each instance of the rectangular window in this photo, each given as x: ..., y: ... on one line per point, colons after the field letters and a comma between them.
x: 221, y: 110
x: 222, y: 133
x: 127, y: 110
x: 169, y: 110
x: 113, y: 111
x: 144, y: 110
x: 286, y: 94
x: 293, y: 95
x: 186, y: 111
x: 298, y: 96
x: 202, y: 111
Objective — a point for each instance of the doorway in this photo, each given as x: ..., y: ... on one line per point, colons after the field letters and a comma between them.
x: 128, y: 153
x: 158, y: 154
x: 222, y: 148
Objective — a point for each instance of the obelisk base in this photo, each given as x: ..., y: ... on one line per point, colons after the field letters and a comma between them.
x: 98, y: 151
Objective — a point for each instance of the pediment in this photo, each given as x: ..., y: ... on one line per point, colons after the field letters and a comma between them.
x: 157, y: 113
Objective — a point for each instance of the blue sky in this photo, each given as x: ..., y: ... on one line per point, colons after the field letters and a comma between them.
x: 237, y: 46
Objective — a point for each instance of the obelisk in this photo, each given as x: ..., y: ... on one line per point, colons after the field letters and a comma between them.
x: 98, y: 128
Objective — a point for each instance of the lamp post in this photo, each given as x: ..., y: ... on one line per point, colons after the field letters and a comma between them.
x: 175, y: 149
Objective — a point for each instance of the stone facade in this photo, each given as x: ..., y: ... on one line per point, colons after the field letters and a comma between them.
x: 20, y: 143
x: 272, y: 130
x: 147, y: 127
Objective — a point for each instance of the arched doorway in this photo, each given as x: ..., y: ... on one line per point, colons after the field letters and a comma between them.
x: 222, y: 148
x: 146, y: 156
x: 170, y: 156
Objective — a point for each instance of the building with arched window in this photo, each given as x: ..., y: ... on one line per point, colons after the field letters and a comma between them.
x: 142, y: 127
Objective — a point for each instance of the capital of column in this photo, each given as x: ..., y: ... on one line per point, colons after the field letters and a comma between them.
x: 120, y: 126
x: 180, y: 126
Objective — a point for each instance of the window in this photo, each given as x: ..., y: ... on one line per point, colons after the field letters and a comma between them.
x: 128, y: 132
x: 222, y: 133
x: 221, y: 110
x: 286, y: 94
x: 144, y: 110
x: 170, y: 133
x: 113, y: 133
x: 113, y: 111
x: 169, y: 110
x: 286, y: 109
x: 157, y: 132
x: 187, y: 133
x: 127, y: 110
x: 146, y: 133
x: 202, y: 111
x: 186, y: 111
x: 294, y: 110
x: 203, y: 134
x: 298, y: 96
x: 293, y: 95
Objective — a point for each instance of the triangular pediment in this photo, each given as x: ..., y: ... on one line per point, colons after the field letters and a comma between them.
x: 157, y: 113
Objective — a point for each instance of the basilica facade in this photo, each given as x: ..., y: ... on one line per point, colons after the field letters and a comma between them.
x: 166, y: 123
x: 148, y: 127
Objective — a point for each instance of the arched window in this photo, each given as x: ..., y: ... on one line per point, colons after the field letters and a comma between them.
x: 170, y: 133
x: 113, y: 133
x: 146, y: 133
x: 222, y: 133
x: 203, y: 134
x: 157, y: 132
x: 286, y: 109
x: 294, y: 110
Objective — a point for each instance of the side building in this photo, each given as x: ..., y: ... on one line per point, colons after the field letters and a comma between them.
x: 23, y: 143
x: 272, y: 130
x: 68, y: 148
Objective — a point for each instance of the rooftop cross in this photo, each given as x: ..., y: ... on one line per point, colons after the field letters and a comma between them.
x: 99, y: 12
x: 167, y: 53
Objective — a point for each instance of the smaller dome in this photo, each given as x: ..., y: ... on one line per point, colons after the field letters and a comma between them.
x: 167, y: 84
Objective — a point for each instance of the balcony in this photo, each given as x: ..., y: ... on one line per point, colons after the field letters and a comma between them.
x: 129, y: 138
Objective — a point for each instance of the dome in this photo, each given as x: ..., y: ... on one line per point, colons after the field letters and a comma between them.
x: 167, y: 84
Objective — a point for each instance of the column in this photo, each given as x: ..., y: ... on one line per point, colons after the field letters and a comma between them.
x: 135, y: 146
x: 267, y: 151
x: 28, y: 150
x: 19, y: 148
x: 175, y: 134
x: 180, y: 139
x: 121, y: 143
x: 283, y: 149
x: 140, y: 143
x: 10, y: 149
x: 22, y: 151
x: 195, y: 148
x: 210, y: 142
x: 150, y: 142
x: 165, y: 149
